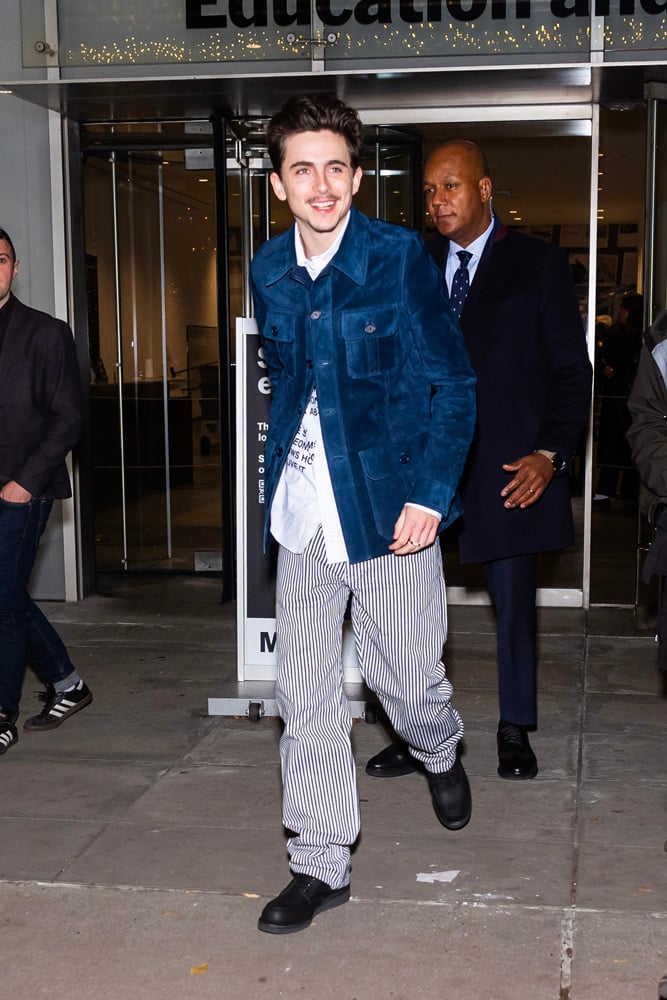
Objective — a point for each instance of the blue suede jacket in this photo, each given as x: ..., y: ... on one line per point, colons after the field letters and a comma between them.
x: 375, y: 335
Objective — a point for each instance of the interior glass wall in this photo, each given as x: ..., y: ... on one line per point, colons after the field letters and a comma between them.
x: 617, y: 325
x: 152, y: 293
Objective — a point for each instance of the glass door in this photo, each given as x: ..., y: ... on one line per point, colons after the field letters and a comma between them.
x: 656, y: 202
x: 150, y: 242
x: 541, y: 175
x: 522, y: 154
x: 655, y: 294
x: 617, y: 326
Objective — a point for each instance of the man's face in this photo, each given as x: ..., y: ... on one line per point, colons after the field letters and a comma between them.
x: 8, y: 270
x: 456, y: 196
x: 318, y: 183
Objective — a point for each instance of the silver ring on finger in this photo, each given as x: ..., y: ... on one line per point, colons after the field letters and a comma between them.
x: 416, y: 544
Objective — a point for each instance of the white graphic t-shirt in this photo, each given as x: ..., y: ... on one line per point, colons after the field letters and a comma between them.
x: 304, y: 497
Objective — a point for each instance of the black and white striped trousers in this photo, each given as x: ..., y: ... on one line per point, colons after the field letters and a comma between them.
x: 399, y: 616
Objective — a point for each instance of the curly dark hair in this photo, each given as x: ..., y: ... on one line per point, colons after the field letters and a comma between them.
x: 4, y: 235
x: 314, y: 113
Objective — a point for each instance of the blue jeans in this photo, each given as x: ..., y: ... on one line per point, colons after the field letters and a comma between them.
x: 26, y: 636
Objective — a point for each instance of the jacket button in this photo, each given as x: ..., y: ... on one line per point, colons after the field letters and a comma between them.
x: 279, y: 452
x: 315, y: 314
x: 274, y: 331
x: 309, y: 363
x: 369, y: 329
x: 404, y: 459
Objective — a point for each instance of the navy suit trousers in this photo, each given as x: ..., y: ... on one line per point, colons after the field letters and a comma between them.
x: 512, y: 584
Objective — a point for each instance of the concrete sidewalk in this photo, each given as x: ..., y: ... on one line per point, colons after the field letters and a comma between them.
x: 142, y: 838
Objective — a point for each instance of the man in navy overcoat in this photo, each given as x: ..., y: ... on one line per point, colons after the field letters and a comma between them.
x: 521, y: 324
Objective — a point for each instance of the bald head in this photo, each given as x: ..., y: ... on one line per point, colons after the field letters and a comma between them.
x: 458, y: 189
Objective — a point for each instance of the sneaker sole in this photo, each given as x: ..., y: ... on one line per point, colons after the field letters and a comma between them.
x: 336, y: 899
x: 31, y: 726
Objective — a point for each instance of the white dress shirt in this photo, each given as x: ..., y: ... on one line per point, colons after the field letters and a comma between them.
x: 476, y: 248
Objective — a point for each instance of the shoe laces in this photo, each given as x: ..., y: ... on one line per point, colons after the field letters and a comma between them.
x: 308, y: 885
x: 451, y: 777
x: 512, y: 734
x: 48, y: 697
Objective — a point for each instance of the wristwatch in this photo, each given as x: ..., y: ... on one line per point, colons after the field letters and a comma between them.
x: 555, y: 457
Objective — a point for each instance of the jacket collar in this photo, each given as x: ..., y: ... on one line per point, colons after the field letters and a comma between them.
x: 351, y: 259
x: 657, y: 332
x: 439, y: 247
x: 12, y: 343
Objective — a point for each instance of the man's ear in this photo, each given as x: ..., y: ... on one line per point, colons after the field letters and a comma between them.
x: 277, y: 186
x: 485, y: 188
x: 356, y: 179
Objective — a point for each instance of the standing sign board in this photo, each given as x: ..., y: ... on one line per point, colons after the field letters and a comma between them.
x: 256, y: 569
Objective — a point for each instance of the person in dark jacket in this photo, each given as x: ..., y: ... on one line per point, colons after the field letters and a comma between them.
x: 647, y: 437
x: 616, y: 358
x: 521, y: 323
x: 40, y: 422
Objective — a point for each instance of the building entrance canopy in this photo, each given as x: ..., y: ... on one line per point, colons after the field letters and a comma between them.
x: 341, y: 34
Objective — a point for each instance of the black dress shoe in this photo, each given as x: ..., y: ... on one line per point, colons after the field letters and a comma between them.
x: 516, y: 759
x: 391, y: 762
x: 295, y: 907
x: 450, y: 792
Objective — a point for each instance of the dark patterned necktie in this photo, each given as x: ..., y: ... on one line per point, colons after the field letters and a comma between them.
x: 460, y: 283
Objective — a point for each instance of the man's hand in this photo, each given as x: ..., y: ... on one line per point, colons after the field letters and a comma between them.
x: 414, y: 530
x: 14, y: 493
x: 532, y: 475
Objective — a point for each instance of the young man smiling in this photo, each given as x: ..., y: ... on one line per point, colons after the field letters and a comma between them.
x: 371, y: 417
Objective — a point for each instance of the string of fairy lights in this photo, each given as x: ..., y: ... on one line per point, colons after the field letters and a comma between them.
x: 422, y: 40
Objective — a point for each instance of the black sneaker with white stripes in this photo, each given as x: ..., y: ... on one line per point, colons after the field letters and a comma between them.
x: 59, y: 706
x: 8, y: 736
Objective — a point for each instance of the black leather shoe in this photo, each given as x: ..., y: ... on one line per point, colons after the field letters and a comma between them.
x: 295, y: 907
x: 450, y: 792
x: 391, y: 762
x: 516, y: 759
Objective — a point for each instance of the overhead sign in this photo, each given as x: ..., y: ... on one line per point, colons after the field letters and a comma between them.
x: 282, y: 33
x: 335, y: 13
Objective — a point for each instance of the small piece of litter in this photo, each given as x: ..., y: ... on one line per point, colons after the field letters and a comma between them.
x: 198, y: 970
x: 251, y: 895
x: 438, y: 876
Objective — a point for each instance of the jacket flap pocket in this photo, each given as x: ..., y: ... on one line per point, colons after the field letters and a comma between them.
x: 373, y: 321
x: 393, y: 458
x: 279, y: 327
